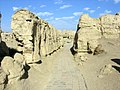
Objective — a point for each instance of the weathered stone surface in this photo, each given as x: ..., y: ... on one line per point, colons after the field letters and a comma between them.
x: 3, y: 79
x: 19, y: 58
x: 90, y: 30
x: 110, y: 25
x: 98, y: 50
x: 68, y: 36
x: 9, y: 39
x: 13, y: 69
x: 36, y: 38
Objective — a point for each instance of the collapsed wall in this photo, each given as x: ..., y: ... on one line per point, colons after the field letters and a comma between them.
x: 68, y: 36
x: 89, y: 30
x: 36, y: 38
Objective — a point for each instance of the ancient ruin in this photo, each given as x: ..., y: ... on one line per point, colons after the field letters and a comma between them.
x: 31, y: 40
x: 68, y: 36
x: 96, y: 41
x: 35, y: 37
x: 89, y: 30
x: 37, y: 56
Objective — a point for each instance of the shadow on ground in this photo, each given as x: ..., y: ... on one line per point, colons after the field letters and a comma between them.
x: 25, y: 75
x: 118, y: 62
x: 117, y: 68
x: 73, y: 52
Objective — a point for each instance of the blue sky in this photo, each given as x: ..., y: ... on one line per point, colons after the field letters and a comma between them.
x: 63, y: 14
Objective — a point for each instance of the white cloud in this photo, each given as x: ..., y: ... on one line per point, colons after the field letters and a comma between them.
x: 42, y: 6
x: 65, y: 6
x: 58, y: 2
x: 44, y: 14
x: 64, y: 25
x: 116, y: 1
x: 89, y: 10
x: 15, y: 8
x: 26, y: 8
x: 77, y: 13
x: 86, y: 8
x: 108, y: 11
x: 65, y: 18
x: 105, y: 12
x: 92, y: 11
x: 50, y: 18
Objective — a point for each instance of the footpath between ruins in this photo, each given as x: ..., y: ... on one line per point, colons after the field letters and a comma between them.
x: 64, y: 73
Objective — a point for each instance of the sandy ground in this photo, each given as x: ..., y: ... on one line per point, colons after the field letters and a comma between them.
x: 57, y: 72
x: 66, y: 75
x: 60, y: 72
x: 39, y: 74
x: 91, y: 68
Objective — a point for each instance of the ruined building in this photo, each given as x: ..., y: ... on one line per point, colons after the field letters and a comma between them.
x: 35, y: 37
x: 90, y: 30
x: 31, y: 40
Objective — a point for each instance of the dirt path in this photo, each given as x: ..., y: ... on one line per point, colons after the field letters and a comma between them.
x: 65, y: 74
